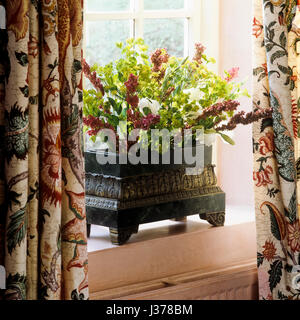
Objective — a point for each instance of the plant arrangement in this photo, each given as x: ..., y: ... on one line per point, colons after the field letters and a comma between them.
x: 159, y: 91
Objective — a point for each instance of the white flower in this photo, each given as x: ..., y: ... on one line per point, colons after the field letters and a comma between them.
x: 195, y: 94
x: 153, y: 105
x: 209, y: 139
x: 195, y: 114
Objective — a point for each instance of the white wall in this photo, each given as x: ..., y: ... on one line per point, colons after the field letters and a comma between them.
x: 235, y: 162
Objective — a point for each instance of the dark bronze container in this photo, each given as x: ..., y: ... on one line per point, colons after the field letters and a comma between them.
x: 123, y: 196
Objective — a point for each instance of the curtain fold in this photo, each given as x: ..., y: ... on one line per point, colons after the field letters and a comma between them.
x: 275, y: 147
x: 41, y: 101
x: 4, y: 61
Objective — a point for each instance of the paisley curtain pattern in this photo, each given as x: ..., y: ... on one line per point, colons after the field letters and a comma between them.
x: 41, y: 110
x: 275, y: 145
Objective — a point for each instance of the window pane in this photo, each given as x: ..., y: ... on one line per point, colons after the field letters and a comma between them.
x: 163, y: 4
x: 108, y: 5
x: 101, y: 38
x: 165, y: 33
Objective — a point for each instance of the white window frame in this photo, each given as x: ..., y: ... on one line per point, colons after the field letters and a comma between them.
x: 202, y: 25
x: 194, y: 12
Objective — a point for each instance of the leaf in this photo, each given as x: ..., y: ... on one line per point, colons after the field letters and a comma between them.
x: 274, y: 72
x: 288, y: 268
x: 283, y: 39
x: 272, y: 24
x: 282, y: 296
x: 272, y: 34
x: 77, y: 66
x: 183, y: 62
x: 288, y: 80
x: 12, y: 198
x: 75, y: 204
x: 262, y: 76
x: 112, y: 103
x: 267, y: 122
x: 54, y: 65
x: 34, y: 99
x: 43, y: 213
x: 272, y: 192
x: 80, y: 96
x: 43, y: 294
x: 269, y: 47
x: 114, y: 120
x: 124, y: 112
x: 226, y: 138
x: 269, y: 4
x: 70, y: 124
x: 284, y: 70
x: 147, y: 111
x: 275, y: 274
x: 22, y: 58
x: 33, y: 192
x: 75, y: 296
x: 16, y: 230
x: 277, y: 55
x: 292, y: 87
x: 260, y: 259
x: 292, y: 210
x: 274, y: 225
x: 63, y: 177
x: 16, y: 285
x: 120, y: 76
x: 25, y: 91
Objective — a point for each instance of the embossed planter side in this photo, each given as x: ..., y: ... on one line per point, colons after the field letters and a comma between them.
x: 122, y: 197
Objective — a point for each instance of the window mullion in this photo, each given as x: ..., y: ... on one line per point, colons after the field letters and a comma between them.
x: 139, y: 18
x: 97, y: 16
x: 195, y: 23
x: 167, y: 14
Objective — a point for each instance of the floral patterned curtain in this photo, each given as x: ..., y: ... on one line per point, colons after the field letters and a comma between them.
x: 276, y: 35
x: 44, y: 236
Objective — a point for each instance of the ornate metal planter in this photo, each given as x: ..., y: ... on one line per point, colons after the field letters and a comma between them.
x: 122, y: 197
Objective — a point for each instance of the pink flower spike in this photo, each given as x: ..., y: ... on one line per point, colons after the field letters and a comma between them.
x: 199, y: 52
x: 233, y: 73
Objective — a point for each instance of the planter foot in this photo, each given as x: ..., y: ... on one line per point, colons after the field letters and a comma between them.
x: 88, y: 230
x: 216, y: 219
x: 121, y: 236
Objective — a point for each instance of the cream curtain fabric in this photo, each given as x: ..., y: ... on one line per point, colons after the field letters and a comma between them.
x: 275, y: 145
x: 44, y: 235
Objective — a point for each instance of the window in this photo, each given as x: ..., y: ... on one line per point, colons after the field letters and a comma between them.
x: 171, y: 24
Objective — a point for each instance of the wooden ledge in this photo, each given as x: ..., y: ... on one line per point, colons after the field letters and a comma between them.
x: 203, y: 251
x: 237, y: 281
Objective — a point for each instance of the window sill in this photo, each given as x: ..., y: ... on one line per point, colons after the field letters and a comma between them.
x: 169, y: 250
x: 100, y: 238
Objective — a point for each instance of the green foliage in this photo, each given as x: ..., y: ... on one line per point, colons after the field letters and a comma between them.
x: 275, y: 274
x: 169, y: 87
x: 16, y: 230
x: 16, y: 286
